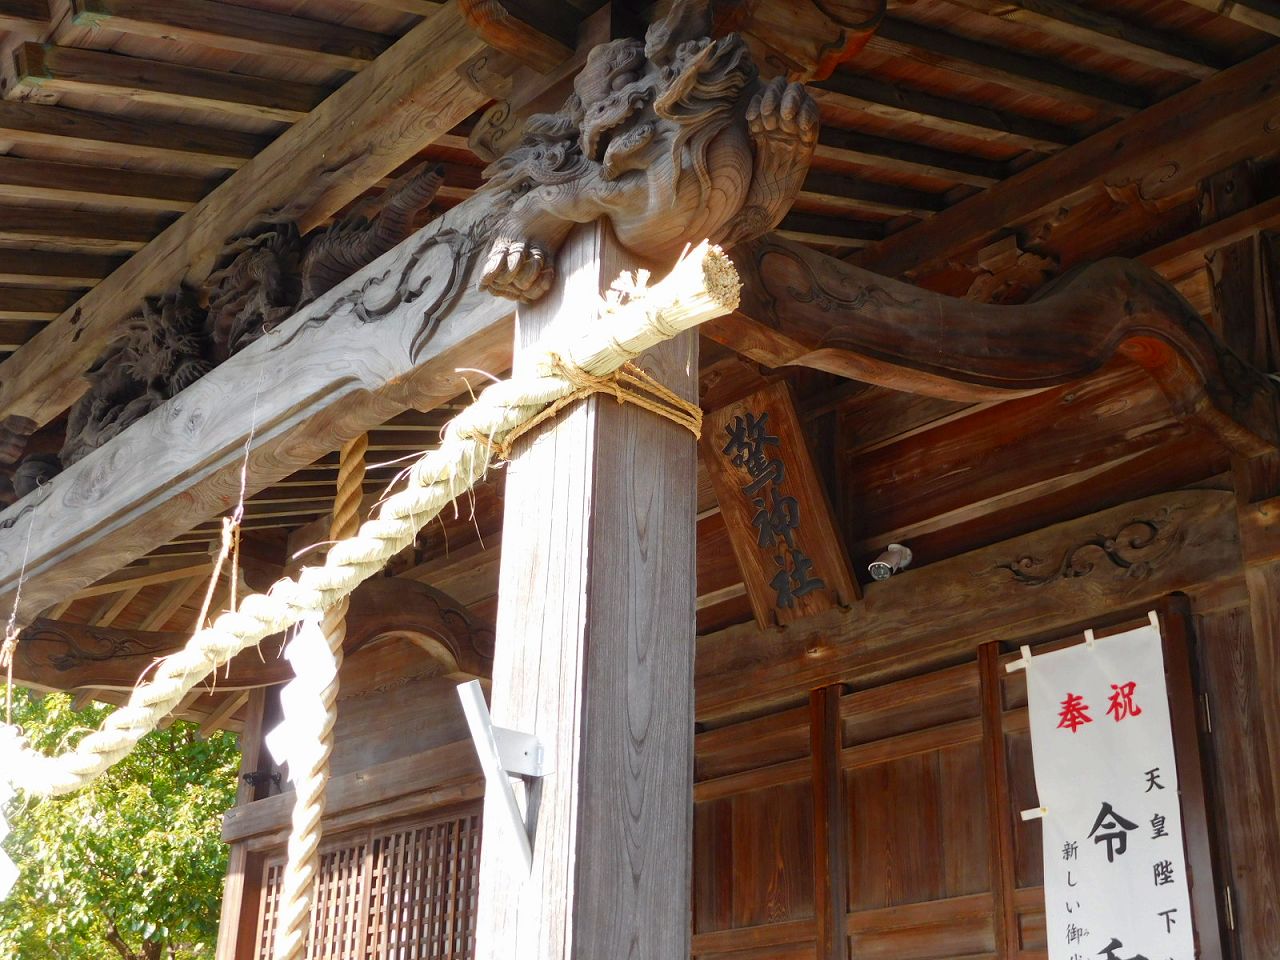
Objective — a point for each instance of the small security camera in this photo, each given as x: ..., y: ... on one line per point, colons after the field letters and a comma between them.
x: 895, y: 557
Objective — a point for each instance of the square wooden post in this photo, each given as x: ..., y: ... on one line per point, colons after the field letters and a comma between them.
x: 595, y: 656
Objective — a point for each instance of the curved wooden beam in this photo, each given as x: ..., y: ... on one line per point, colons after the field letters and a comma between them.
x: 803, y: 307
x: 56, y: 655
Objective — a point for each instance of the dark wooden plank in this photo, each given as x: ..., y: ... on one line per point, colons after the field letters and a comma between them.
x: 833, y: 189
x: 224, y: 26
x: 901, y: 156
x: 14, y: 333
x: 595, y: 656
x: 1122, y: 38
x: 436, y: 777
x: 109, y: 232
x: 77, y: 183
x: 80, y: 71
x: 910, y: 42
x: 830, y: 866
x: 114, y: 137
x: 1187, y: 136
x: 28, y: 303
x: 1261, y: 15
x: 63, y: 270
x: 851, y: 91
x: 829, y: 231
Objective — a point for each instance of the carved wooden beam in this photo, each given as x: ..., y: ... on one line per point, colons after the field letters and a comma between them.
x: 817, y: 311
x: 56, y: 655
x: 1093, y: 568
x: 390, y: 337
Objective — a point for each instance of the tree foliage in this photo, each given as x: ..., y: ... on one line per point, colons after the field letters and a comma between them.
x: 130, y: 867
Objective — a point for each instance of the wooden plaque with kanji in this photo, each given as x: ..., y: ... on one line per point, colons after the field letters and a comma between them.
x: 779, y: 519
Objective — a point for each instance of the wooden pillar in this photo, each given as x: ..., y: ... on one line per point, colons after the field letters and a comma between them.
x: 595, y: 656
x: 830, y: 865
x: 241, y: 891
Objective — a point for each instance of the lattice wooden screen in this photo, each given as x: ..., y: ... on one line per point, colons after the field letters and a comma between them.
x: 402, y: 894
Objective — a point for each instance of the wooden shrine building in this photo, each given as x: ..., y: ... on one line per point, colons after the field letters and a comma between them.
x: 1009, y: 281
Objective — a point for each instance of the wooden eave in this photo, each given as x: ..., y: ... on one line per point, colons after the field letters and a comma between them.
x: 946, y: 156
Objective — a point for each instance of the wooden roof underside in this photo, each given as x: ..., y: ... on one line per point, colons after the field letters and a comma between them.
x: 118, y: 116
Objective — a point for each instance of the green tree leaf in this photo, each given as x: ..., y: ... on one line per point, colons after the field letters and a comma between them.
x: 131, y: 866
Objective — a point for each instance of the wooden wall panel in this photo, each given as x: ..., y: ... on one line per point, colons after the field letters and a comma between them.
x: 401, y: 719
x: 1243, y: 785
x: 918, y: 829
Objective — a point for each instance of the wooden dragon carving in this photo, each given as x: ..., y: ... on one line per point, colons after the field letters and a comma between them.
x: 671, y: 139
x: 161, y: 351
x: 339, y: 250
x: 257, y: 289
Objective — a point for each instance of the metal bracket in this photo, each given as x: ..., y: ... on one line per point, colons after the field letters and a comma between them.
x: 503, y: 754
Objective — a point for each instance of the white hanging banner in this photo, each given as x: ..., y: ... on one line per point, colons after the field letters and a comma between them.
x: 1115, y: 874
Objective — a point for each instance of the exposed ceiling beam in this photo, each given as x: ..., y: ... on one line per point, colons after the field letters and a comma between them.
x: 26, y: 179
x: 25, y: 18
x: 90, y: 230
x: 853, y: 92
x: 378, y: 120
x: 72, y: 70
x: 118, y: 138
x: 829, y: 231
x: 858, y: 194
x: 14, y: 333
x: 421, y: 8
x: 65, y: 270
x: 26, y: 303
x: 1154, y: 156
x: 1262, y: 15
x: 899, y: 156
x: 224, y: 26
x: 909, y: 42
x: 1102, y: 31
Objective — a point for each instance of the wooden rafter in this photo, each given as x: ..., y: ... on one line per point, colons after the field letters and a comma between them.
x: 1157, y: 154
x: 116, y: 138
x: 108, y: 232
x: 27, y: 303
x: 900, y: 104
x: 62, y: 270
x: 907, y: 41
x: 1262, y: 15
x: 73, y: 70
x: 224, y: 26
x: 374, y: 123
x: 900, y: 156
x: 22, y: 178
x: 26, y: 18
x: 1103, y: 31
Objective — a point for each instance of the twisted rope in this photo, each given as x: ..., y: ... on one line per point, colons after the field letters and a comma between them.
x: 298, y: 886
x: 703, y: 285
